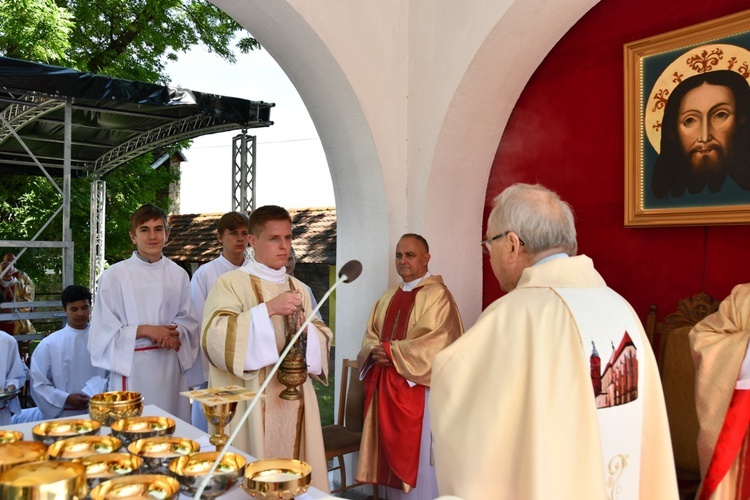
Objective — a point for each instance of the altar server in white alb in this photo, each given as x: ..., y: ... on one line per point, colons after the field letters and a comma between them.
x: 61, y: 364
x: 232, y: 232
x: 554, y: 392
x: 12, y: 376
x: 143, y: 329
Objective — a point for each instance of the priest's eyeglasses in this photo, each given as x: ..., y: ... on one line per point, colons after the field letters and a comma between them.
x: 486, y: 244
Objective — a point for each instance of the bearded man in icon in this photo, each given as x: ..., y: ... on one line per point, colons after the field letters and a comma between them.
x: 705, y: 136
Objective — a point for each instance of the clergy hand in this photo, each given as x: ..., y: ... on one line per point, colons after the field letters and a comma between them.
x: 166, y: 336
x: 77, y: 401
x: 284, y: 304
x: 380, y: 357
x: 171, y: 339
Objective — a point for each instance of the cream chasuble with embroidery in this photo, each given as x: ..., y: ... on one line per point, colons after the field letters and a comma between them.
x: 554, y: 393
x: 236, y: 330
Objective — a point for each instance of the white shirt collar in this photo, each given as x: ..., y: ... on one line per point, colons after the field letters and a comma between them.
x: 408, y: 287
x: 144, y: 259
x: 264, y: 272
x: 559, y: 255
x: 78, y: 330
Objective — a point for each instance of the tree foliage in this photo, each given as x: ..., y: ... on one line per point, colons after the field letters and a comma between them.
x: 130, y: 39
x: 27, y: 203
x: 133, y: 38
x: 37, y: 30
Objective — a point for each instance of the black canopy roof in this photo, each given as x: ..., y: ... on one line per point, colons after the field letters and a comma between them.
x: 113, y: 120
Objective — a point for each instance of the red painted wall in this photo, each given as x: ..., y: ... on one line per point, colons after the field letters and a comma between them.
x: 567, y: 133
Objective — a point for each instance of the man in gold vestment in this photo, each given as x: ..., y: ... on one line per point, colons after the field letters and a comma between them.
x: 16, y: 286
x: 247, y: 316
x: 722, y: 397
x: 554, y: 392
x: 410, y: 323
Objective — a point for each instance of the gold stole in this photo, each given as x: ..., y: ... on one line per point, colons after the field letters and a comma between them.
x: 279, y: 442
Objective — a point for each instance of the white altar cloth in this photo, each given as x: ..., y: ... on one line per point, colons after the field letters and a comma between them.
x: 184, y: 430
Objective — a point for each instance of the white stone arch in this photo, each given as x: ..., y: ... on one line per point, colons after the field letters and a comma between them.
x: 410, y: 99
x: 471, y: 131
x: 355, y: 169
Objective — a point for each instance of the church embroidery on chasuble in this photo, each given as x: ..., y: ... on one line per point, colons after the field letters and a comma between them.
x: 613, y: 366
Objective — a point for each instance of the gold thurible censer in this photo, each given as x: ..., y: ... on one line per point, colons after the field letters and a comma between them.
x: 293, y: 369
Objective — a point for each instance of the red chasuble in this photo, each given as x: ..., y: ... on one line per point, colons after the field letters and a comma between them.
x: 399, y: 408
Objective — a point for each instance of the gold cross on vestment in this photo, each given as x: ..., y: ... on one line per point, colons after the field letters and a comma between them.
x: 395, y: 324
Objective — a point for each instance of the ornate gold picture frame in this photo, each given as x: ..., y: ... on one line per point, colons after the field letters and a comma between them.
x: 687, y: 125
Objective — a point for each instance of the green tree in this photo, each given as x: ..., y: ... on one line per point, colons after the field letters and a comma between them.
x: 37, y: 30
x: 129, y: 39
x: 133, y: 38
x: 27, y: 202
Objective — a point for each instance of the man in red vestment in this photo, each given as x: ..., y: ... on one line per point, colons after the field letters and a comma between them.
x: 410, y: 323
x: 722, y: 396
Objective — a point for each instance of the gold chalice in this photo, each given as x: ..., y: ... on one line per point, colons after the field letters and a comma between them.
x: 219, y: 415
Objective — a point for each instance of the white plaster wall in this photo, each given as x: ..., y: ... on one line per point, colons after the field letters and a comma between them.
x: 410, y: 99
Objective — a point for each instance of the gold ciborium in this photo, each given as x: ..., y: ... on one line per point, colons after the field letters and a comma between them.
x: 21, y: 452
x: 190, y: 472
x: 219, y: 415
x: 293, y: 369
x: 44, y: 480
x: 137, y: 486
x: 107, y: 407
x: 10, y: 436
x: 277, y: 478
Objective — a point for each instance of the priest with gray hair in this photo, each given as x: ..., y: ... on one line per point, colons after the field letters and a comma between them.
x: 554, y: 392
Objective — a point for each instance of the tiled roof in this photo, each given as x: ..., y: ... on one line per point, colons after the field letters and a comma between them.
x: 314, y: 235
x: 193, y: 236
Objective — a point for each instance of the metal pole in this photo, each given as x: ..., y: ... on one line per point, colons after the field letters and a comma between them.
x: 68, y: 277
x: 96, y: 239
x: 253, y: 153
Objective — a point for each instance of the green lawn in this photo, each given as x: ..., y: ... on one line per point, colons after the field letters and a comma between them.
x: 325, y: 399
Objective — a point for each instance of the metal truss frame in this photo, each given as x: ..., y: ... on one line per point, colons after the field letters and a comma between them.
x: 243, y: 178
x: 20, y: 116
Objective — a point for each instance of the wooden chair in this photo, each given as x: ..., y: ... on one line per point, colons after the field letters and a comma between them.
x: 672, y: 348
x: 345, y: 435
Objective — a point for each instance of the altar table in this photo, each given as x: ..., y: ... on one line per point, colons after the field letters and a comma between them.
x: 182, y: 429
